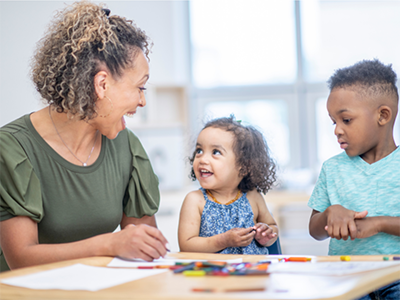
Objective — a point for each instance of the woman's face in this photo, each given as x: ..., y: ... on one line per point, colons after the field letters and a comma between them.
x: 126, y: 94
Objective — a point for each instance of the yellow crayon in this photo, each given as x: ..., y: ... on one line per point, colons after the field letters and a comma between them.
x: 194, y: 273
x: 345, y: 258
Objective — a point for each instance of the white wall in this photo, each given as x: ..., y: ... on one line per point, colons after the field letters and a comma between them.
x: 22, y: 24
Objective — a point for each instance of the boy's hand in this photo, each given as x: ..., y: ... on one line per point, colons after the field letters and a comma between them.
x: 367, y: 227
x: 264, y: 233
x: 239, y: 237
x: 341, y: 222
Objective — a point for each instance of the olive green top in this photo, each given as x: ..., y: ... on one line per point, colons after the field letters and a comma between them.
x: 71, y: 202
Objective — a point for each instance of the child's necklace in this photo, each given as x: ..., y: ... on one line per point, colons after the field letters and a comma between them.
x: 216, y: 201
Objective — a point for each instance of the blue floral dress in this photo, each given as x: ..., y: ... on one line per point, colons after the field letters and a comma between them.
x: 219, y: 218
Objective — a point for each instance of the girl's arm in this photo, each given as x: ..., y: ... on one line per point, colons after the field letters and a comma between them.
x: 266, y: 227
x: 189, y: 228
x: 20, y: 244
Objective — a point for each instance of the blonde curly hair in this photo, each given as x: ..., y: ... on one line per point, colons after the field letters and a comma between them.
x: 79, y: 41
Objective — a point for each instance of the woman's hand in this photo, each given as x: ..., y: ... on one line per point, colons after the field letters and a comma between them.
x: 139, y: 241
x: 264, y: 233
x: 238, y: 237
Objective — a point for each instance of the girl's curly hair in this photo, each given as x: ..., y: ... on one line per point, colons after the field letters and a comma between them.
x: 80, y: 40
x: 252, y: 155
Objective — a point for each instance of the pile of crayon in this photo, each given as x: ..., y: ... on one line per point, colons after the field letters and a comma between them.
x: 217, y: 268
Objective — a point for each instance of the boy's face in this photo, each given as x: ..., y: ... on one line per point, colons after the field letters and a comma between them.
x: 355, y: 120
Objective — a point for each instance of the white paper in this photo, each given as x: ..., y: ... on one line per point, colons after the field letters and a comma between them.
x: 79, y: 277
x: 168, y: 261
x: 330, y: 268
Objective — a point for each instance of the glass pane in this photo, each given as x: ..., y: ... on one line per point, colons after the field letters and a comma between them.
x: 327, y: 145
x: 337, y: 34
x: 268, y: 116
x: 236, y: 42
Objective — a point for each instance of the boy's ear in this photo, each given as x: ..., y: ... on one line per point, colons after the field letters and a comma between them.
x: 385, y: 115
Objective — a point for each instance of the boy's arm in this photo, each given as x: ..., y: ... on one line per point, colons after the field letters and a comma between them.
x: 372, y: 225
x: 266, y: 228
x: 189, y: 229
x: 337, y: 222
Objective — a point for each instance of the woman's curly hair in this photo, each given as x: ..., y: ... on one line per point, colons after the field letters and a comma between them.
x: 252, y: 155
x: 81, y: 40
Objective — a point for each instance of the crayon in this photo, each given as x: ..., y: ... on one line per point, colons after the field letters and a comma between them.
x: 396, y: 257
x: 345, y: 258
x: 298, y: 259
x: 184, y: 268
x: 194, y: 273
x: 385, y: 258
x: 145, y: 267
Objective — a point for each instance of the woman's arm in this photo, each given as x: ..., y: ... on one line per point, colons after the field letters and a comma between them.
x: 148, y: 220
x: 20, y: 244
x: 189, y: 228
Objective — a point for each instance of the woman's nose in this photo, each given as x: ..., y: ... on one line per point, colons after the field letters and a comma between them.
x: 142, y: 99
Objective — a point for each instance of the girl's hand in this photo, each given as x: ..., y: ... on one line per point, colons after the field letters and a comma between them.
x: 238, y: 237
x: 139, y: 241
x: 264, y: 233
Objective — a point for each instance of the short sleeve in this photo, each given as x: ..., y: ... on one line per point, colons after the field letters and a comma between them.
x: 20, y: 193
x: 319, y: 199
x: 143, y: 196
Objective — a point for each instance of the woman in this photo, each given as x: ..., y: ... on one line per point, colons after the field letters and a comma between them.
x: 72, y: 171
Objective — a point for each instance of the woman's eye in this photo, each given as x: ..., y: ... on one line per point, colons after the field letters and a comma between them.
x: 142, y: 89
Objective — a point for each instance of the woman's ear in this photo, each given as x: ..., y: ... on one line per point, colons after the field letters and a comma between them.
x: 100, y: 83
x: 385, y: 115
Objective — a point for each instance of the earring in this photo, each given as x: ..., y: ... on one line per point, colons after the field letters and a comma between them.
x: 112, y: 107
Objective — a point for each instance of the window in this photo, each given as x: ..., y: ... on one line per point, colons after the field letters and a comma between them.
x: 238, y: 42
x: 268, y: 116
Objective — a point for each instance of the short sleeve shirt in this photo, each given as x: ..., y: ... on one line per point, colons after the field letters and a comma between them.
x: 357, y: 185
x: 71, y: 202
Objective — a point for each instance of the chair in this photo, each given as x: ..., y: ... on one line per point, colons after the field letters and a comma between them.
x: 275, y: 248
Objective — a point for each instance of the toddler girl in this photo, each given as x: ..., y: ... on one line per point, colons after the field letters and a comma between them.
x: 228, y: 214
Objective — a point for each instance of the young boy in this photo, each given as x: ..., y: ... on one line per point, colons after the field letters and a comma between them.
x: 356, y: 200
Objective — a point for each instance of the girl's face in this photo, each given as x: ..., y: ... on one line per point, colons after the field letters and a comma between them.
x: 125, y: 94
x: 215, y: 162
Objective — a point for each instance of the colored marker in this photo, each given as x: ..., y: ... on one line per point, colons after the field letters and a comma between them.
x: 396, y: 257
x: 385, y: 258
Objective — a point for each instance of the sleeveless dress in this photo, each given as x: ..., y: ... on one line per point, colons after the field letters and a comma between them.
x: 219, y: 218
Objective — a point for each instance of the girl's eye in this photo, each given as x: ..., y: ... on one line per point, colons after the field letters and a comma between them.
x: 334, y: 123
x: 216, y: 152
x: 346, y: 121
x: 142, y: 89
x: 198, y: 151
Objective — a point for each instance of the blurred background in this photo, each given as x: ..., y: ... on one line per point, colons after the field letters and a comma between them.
x: 266, y: 62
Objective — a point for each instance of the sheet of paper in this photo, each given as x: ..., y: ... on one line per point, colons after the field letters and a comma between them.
x: 168, y: 261
x: 330, y: 268
x: 79, y: 277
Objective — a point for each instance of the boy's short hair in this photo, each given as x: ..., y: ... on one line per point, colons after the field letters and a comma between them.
x: 377, y: 78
